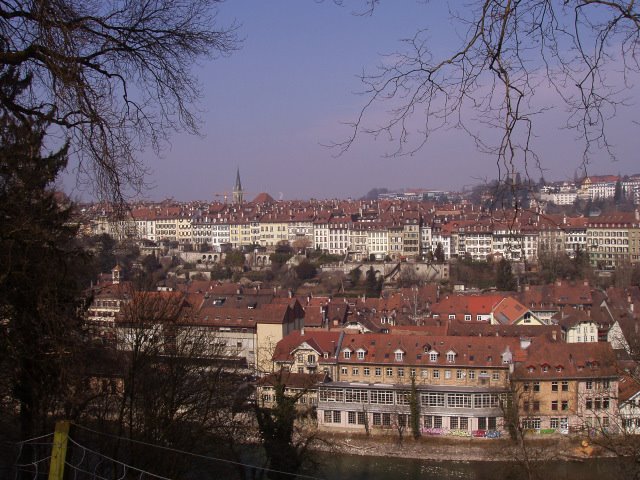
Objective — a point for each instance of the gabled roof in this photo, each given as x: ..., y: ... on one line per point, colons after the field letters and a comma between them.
x: 577, y: 360
x: 322, y: 341
x: 508, y: 311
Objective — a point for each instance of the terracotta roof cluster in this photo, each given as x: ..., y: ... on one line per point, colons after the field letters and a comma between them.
x: 546, y: 360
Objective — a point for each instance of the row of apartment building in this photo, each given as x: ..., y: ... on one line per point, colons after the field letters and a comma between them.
x: 409, y: 230
x: 596, y: 187
x: 464, y: 385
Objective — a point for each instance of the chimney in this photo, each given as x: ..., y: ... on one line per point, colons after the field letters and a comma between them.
x: 554, y: 335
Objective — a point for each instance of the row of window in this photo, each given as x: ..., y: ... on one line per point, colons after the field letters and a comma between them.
x: 460, y: 374
x: 564, y: 384
x: 427, y: 399
x: 535, y: 405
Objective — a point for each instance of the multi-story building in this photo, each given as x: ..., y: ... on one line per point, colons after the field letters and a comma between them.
x: 411, y: 236
x: 377, y: 240
x: 274, y: 230
x: 300, y: 228
x: 459, y: 382
x: 608, y: 239
x: 567, y: 386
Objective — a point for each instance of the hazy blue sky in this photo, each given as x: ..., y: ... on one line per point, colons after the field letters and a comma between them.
x: 270, y: 107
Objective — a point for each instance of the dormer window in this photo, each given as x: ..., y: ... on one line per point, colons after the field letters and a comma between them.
x: 433, y: 356
x: 451, y: 356
x: 399, y: 355
x: 360, y: 354
x: 531, y: 369
x: 545, y: 368
x: 347, y: 354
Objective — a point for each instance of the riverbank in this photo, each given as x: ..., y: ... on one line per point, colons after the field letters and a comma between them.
x: 462, y: 449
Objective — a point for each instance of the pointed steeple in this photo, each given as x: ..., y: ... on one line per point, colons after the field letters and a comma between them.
x: 237, y: 190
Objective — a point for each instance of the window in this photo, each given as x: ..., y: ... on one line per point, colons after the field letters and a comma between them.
x: 412, y: 372
x: 432, y: 399
x: 378, y: 372
x: 453, y: 423
x: 382, y: 397
x: 360, y: 355
x: 589, y: 384
x: 428, y: 421
x: 399, y: 356
x: 433, y: 356
x: 328, y: 416
x: 347, y: 354
x: 536, y: 386
x: 554, y: 386
x: 526, y: 387
x: 459, y: 374
x: 486, y: 400
x: 472, y: 374
x: 437, y: 421
x: 459, y: 400
x: 467, y: 318
x: 447, y: 374
x: 386, y: 419
x: 482, y: 423
x: 402, y: 398
x: 351, y: 418
x: 495, y: 376
x: 565, y: 386
x: 377, y: 419
x: 403, y: 420
x: 536, y: 406
x: 343, y: 370
x: 554, y: 422
x: 531, y: 423
x: 589, y: 404
x: 436, y: 373
x: 493, y: 423
x: 565, y: 404
x: 366, y: 371
x: 451, y: 357
x: 336, y: 416
x: 425, y: 373
x: 361, y: 418
x: 554, y: 405
x: 389, y: 372
x: 354, y: 371
x: 356, y: 396
x: 464, y: 423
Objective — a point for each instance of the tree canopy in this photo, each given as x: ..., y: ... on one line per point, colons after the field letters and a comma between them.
x: 39, y: 263
x: 513, y: 61
x: 110, y: 76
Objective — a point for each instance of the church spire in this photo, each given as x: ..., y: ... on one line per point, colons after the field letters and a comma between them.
x: 237, y: 190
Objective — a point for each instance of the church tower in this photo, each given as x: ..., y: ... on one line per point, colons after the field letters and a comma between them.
x: 237, y: 190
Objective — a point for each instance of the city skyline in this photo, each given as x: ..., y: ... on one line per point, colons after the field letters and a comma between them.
x: 271, y: 108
